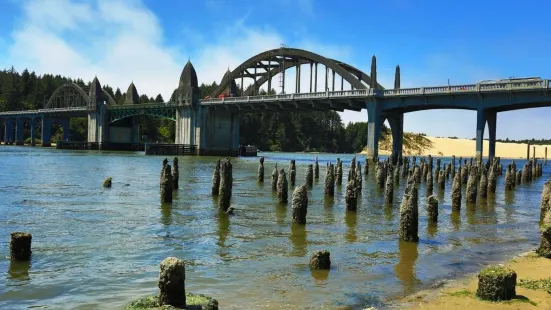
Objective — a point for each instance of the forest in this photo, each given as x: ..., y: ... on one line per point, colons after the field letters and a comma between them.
x: 312, y: 131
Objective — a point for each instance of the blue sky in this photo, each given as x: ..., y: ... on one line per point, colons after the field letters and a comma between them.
x: 149, y: 41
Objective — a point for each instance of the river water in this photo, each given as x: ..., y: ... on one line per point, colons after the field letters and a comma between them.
x: 96, y: 248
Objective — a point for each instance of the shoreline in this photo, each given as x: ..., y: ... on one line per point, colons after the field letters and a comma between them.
x: 460, y: 293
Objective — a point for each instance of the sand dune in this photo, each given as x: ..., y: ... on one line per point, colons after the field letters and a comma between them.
x: 466, y: 148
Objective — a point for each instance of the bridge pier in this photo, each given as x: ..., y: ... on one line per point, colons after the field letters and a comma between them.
x: 8, y: 132
x: 20, y: 131
x: 483, y: 117
x: 66, y: 125
x: 33, y: 131
x: 46, y: 131
x: 373, y: 130
x: 396, y: 123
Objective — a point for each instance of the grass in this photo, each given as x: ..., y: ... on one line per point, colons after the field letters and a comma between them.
x: 496, y: 270
x: 516, y: 299
x: 193, y: 302
x: 542, y: 284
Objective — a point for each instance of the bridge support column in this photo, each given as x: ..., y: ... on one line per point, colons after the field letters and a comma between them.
x: 396, y: 123
x: 46, y: 131
x: 491, y: 118
x: 33, y: 131
x: 98, y: 126
x: 480, y: 125
x: 8, y: 132
x: 19, y: 131
x: 2, y: 130
x: 373, y: 130
x: 66, y: 125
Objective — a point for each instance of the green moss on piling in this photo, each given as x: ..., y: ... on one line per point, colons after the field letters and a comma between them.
x: 193, y: 302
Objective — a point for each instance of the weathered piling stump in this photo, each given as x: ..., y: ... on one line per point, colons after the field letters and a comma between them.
x: 453, y: 167
x: 320, y: 260
x: 545, y: 206
x: 172, y: 283
x: 309, y: 176
x: 496, y: 283
x: 175, y: 173
x: 338, y: 172
x: 329, y: 188
x: 20, y: 246
x: 472, y: 183
x: 397, y: 176
x: 358, y: 179
x: 216, y: 179
x: 300, y: 204
x: 261, y: 170
x: 430, y: 182
x: 225, y: 190
x: 448, y: 170
x: 509, y: 181
x: 292, y: 172
x: 389, y: 186
x: 316, y: 169
x: 166, y: 184
x: 492, y: 179
x: 351, y: 198
x: 380, y: 175
x: 437, y: 171
x: 544, y: 249
x: 442, y: 180
x: 518, y: 177
x: 464, y: 174
x: 409, y: 215
x: 108, y: 182
x: 282, y: 187
x: 352, y: 171
x: 456, y: 192
x: 366, y: 167
x: 275, y: 174
x: 483, y: 186
x: 432, y: 209
x: 417, y: 174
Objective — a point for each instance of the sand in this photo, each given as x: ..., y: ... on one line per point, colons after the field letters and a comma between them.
x: 461, y: 294
x: 467, y: 148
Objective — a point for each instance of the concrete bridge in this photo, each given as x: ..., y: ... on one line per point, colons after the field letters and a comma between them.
x: 213, y: 124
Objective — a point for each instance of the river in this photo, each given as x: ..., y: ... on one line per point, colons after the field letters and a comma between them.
x: 96, y: 248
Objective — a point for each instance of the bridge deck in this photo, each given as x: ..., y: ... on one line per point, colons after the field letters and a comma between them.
x: 333, y: 100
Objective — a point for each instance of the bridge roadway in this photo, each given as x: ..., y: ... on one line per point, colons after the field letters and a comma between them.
x: 381, y: 104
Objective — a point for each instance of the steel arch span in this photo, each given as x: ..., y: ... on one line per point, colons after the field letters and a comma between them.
x: 274, y: 61
x: 71, y: 95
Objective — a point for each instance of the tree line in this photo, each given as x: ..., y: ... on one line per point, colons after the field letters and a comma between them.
x: 285, y: 131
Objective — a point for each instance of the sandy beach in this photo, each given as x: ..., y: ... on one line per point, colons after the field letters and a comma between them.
x: 460, y: 294
x: 466, y: 148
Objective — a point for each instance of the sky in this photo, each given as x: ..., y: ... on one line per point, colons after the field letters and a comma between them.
x: 148, y: 42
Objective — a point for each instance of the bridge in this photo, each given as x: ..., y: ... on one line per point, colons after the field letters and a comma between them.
x: 213, y: 123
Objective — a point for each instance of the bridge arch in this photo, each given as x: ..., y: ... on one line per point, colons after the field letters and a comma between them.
x: 71, y: 95
x: 282, y: 59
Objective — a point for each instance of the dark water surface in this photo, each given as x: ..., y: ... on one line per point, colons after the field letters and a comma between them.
x: 96, y: 248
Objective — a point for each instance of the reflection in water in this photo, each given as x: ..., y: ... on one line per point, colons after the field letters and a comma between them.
x: 405, y: 268
x: 281, y: 212
x: 328, y: 204
x: 471, y: 213
x: 440, y: 195
x: 509, y: 197
x: 166, y: 214
x: 432, y: 228
x: 19, y: 270
x: 298, y: 239
x: 350, y: 218
x: 320, y: 275
x: 223, y: 228
x: 456, y: 219
x: 389, y: 212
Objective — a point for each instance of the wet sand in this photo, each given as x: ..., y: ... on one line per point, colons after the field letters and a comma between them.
x: 460, y: 294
